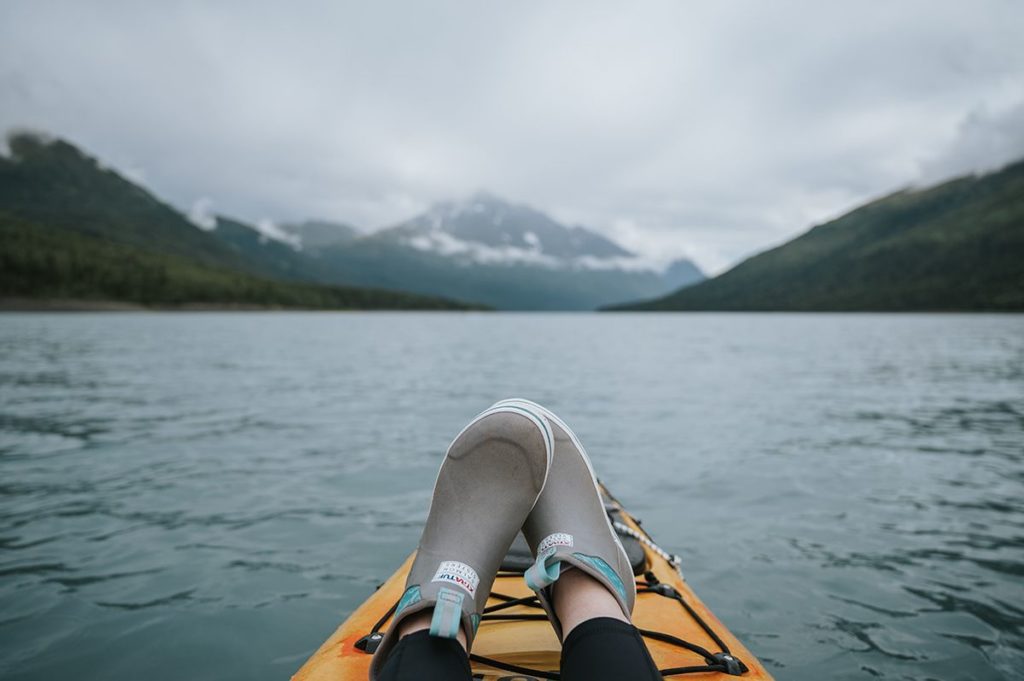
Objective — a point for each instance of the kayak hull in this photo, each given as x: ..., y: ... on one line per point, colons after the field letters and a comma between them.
x: 532, y: 643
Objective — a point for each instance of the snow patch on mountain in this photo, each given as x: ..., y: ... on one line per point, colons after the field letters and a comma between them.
x: 469, y: 252
x: 629, y: 263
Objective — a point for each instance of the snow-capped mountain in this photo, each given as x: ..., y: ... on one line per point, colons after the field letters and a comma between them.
x: 510, y: 256
x: 487, y: 230
x: 482, y: 250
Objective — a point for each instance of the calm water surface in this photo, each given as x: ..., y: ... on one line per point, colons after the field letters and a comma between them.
x: 206, y: 496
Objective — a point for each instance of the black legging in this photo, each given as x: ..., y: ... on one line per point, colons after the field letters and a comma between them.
x: 601, y: 649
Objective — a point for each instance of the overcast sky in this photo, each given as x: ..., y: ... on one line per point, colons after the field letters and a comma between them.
x: 710, y: 129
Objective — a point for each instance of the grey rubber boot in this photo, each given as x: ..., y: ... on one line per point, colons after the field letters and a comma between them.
x: 489, y: 481
x: 569, y: 528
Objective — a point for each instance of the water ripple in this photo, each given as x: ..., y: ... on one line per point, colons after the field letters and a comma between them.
x: 846, y: 491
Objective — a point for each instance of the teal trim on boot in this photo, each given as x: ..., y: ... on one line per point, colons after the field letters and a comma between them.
x: 540, y: 575
x: 447, y: 614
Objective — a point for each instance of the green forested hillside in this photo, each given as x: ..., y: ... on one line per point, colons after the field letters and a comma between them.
x: 51, y: 183
x: 265, y: 255
x: 73, y: 230
x: 58, y: 264
x: 955, y: 246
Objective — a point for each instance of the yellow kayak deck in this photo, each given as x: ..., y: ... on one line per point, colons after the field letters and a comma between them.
x: 531, y: 643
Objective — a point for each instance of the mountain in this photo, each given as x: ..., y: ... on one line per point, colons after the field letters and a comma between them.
x: 483, y: 250
x: 955, y: 246
x: 316, y: 234
x: 272, y: 256
x: 682, y: 273
x: 501, y: 254
x: 51, y: 183
x: 75, y: 231
x: 487, y: 229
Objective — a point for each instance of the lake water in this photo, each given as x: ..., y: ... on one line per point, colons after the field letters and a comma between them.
x: 206, y: 496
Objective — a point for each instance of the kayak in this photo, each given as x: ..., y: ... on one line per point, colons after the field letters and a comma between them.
x: 516, y: 642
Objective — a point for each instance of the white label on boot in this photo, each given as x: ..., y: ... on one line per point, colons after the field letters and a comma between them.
x: 459, y: 574
x: 551, y: 542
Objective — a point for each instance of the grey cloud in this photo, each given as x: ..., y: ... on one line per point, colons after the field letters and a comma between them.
x: 201, y: 214
x: 711, y: 129
x: 985, y: 140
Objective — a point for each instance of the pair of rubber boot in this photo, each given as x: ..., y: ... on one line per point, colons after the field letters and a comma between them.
x: 515, y: 466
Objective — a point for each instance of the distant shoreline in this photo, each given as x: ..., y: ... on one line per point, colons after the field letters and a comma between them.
x: 87, y: 305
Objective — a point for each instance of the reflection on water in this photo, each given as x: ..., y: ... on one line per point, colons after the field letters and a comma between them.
x: 206, y: 496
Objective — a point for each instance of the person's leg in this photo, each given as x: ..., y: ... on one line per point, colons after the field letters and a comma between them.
x: 579, y: 597
x: 600, y: 643
x: 421, y: 657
